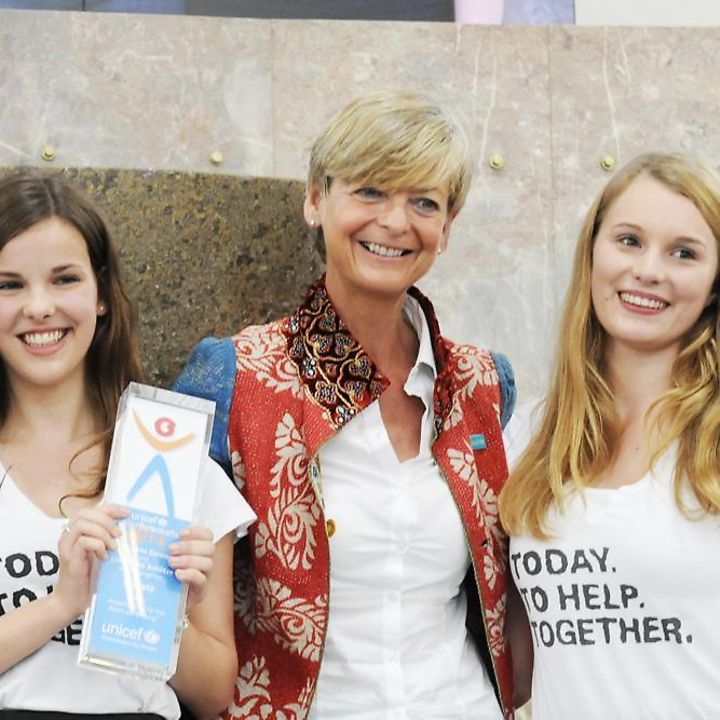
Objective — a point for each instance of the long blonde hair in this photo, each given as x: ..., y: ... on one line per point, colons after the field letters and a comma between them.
x: 578, y: 432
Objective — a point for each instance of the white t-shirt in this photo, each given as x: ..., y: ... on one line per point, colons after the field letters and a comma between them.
x: 396, y: 647
x: 49, y: 678
x: 623, y: 602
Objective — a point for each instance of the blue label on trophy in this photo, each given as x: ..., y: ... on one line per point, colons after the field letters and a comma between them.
x: 138, y: 593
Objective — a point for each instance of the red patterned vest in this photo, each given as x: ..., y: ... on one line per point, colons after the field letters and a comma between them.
x: 298, y: 382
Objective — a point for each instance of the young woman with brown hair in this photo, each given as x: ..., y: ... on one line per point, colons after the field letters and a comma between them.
x: 67, y: 351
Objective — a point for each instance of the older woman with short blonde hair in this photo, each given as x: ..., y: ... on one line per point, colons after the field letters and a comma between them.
x: 374, y: 584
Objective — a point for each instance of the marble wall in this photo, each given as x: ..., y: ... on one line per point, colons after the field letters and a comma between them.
x: 165, y: 93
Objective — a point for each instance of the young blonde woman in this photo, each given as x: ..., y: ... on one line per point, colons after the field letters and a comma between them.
x: 373, y: 585
x: 67, y: 351
x: 614, y: 505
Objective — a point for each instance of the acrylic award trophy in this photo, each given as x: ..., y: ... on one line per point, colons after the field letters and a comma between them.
x: 134, y: 621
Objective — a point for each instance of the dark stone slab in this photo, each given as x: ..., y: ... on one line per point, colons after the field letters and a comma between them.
x: 203, y: 254
x: 423, y: 10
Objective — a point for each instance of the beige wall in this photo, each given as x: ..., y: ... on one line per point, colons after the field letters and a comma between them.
x: 163, y: 92
x: 647, y: 12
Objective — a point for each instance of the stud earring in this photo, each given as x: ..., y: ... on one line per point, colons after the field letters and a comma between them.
x: 102, y: 308
x: 313, y: 223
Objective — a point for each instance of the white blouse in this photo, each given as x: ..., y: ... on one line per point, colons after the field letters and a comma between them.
x: 397, y: 647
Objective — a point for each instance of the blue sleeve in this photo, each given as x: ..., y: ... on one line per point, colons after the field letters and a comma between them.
x: 210, y: 374
x: 508, y: 392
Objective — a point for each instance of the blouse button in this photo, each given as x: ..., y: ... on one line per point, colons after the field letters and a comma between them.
x: 330, y: 527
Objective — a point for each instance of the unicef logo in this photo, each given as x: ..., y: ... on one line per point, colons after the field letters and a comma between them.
x: 151, y: 637
x: 162, y: 522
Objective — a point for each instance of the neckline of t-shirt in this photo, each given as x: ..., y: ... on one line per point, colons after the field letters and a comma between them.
x: 658, y: 470
x: 628, y: 489
x: 14, y: 487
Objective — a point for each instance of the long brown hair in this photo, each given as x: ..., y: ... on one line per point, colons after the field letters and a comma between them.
x: 113, y: 359
x: 578, y: 432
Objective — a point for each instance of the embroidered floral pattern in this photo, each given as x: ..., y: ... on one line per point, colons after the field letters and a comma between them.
x: 490, y: 570
x: 298, y: 624
x: 339, y: 375
x: 238, y: 470
x: 472, y: 367
x: 484, y: 499
x: 455, y: 415
x: 252, y: 696
x: 259, y: 352
x: 495, y: 621
x: 292, y: 462
x: 251, y: 691
x: 288, y: 530
x: 490, y: 511
x: 463, y: 464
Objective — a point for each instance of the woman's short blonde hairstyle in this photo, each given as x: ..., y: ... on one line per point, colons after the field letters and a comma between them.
x: 578, y: 436
x: 393, y: 140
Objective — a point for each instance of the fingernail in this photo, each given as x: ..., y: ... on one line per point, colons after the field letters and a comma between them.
x: 174, y: 547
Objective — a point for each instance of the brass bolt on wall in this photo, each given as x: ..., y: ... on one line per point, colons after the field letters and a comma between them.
x: 496, y: 162
x: 607, y: 163
x: 48, y: 153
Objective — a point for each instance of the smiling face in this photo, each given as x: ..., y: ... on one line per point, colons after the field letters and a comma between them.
x: 655, y: 260
x: 48, y: 305
x: 378, y: 242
